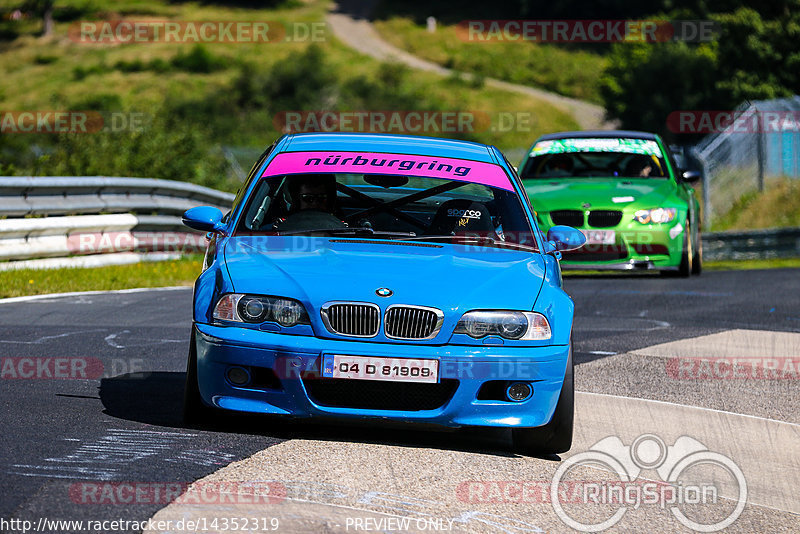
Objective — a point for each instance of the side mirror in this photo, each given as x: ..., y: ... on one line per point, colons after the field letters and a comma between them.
x: 566, y: 238
x: 204, y: 218
x: 690, y: 176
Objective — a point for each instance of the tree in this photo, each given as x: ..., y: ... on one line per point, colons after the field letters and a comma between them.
x: 644, y: 83
x: 754, y: 56
x: 44, y: 9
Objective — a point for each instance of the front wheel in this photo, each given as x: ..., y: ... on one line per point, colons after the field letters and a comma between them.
x: 555, y: 436
x: 686, y: 268
x: 697, y: 260
x: 194, y: 409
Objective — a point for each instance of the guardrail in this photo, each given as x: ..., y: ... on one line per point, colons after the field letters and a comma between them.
x: 752, y: 244
x: 65, y: 195
x: 80, y: 221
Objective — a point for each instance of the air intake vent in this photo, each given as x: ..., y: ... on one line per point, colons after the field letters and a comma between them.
x: 604, y: 218
x: 357, y: 319
x: 567, y: 217
x: 412, y: 322
x: 380, y: 394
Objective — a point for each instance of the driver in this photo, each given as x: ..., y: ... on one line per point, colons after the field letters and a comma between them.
x: 640, y: 166
x: 312, y: 199
x: 560, y: 165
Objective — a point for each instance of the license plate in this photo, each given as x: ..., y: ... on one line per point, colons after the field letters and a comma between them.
x: 370, y: 368
x: 600, y: 237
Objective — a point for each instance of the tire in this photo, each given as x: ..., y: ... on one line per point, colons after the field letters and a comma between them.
x: 697, y: 259
x: 194, y: 409
x: 685, y: 269
x: 556, y: 436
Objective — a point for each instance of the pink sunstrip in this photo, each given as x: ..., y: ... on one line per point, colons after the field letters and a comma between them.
x: 381, y: 163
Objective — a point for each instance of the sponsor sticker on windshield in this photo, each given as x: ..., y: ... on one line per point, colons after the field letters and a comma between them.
x: 462, y: 170
x: 627, y: 146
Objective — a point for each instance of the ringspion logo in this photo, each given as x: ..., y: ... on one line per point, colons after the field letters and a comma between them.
x: 691, y: 484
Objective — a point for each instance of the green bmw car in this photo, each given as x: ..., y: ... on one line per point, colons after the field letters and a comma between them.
x: 624, y: 191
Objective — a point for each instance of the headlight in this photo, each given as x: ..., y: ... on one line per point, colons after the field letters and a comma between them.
x: 257, y: 309
x: 656, y: 215
x: 507, y: 324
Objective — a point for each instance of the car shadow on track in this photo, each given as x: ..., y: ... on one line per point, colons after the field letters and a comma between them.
x: 156, y: 398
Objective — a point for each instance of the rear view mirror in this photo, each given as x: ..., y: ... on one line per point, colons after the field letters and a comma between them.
x: 566, y: 238
x: 204, y: 218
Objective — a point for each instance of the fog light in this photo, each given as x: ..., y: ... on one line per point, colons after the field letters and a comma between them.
x: 238, y: 376
x: 519, y: 391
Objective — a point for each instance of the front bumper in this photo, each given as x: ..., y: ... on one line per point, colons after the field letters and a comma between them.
x: 293, y: 388
x: 637, y: 247
x: 632, y: 264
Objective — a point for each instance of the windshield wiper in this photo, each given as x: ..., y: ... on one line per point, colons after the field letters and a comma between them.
x: 350, y: 231
x: 475, y: 239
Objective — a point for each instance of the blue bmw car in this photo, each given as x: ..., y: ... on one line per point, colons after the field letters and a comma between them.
x: 384, y: 277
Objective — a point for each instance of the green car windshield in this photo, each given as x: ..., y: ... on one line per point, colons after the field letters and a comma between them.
x: 595, y: 157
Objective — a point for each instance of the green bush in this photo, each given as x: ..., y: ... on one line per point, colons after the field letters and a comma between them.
x: 131, y: 66
x: 44, y: 59
x: 98, y: 102
x: 80, y: 72
x: 644, y: 83
x: 159, y: 150
x: 301, y: 79
x: 198, y: 60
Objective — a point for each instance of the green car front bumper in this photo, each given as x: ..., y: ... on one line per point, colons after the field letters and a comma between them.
x: 634, y: 246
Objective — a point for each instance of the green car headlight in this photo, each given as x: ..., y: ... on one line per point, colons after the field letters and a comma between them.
x: 655, y: 215
x: 506, y: 324
x: 258, y: 309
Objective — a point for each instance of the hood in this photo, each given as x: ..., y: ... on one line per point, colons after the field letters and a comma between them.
x: 550, y: 194
x: 452, y: 278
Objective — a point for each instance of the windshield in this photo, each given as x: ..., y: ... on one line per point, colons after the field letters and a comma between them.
x: 586, y: 157
x: 387, y: 207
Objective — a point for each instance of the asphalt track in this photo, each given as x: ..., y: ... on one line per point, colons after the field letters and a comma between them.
x: 122, y: 423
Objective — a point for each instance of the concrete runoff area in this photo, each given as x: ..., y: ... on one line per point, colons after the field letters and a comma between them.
x: 333, y: 486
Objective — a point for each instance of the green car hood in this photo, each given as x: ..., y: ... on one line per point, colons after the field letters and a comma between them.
x: 549, y: 194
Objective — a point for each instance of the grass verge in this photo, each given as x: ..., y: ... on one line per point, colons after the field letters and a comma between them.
x: 729, y: 265
x: 777, y: 207
x: 192, y: 103
x: 185, y: 270
x: 157, y: 274
x: 574, y: 73
x: 742, y: 265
